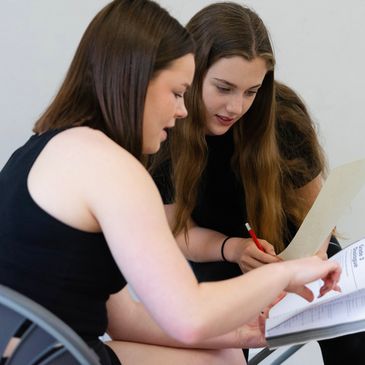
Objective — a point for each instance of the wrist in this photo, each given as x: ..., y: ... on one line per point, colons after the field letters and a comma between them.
x: 228, y: 249
x: 224, y: 250
x: 285, y: 272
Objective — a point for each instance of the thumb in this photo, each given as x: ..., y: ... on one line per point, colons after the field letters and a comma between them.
x: 304, y: 292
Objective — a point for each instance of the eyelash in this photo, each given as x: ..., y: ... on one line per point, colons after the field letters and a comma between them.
x: 226, y: 90
x: 223, y: 89
x: 177, y: 95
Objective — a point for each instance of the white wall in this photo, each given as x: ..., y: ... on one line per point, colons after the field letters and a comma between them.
x: 319, y: 48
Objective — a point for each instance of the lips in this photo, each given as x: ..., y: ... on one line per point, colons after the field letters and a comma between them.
x: 226, y: 121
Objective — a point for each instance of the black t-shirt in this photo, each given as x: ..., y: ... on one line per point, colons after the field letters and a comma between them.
x: 221, y: 204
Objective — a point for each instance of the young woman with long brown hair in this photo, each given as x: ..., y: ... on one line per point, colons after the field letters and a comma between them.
x: 247, y: 152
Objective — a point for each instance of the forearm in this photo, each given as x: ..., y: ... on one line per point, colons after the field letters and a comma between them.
x: 201, y: 244
x: 202, y: 312
x: 131, y: 322
x: 241, y: 299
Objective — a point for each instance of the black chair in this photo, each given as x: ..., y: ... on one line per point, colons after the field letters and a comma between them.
x: 277, y: 359
x: 39, y: 337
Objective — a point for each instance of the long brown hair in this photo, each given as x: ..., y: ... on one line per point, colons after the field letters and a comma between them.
x: 226, y: 30
x: 301, y: 152
x: 126, y: 44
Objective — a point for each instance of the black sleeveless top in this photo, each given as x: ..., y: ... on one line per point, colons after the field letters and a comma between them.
x: 69, y: 271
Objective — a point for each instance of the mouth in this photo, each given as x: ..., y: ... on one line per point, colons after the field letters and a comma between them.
x: 226, y: 121
x: 166, y: 132
x: 167, y: 128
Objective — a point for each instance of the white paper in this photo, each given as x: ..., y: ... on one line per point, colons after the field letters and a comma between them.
x: 342, y: 185
x: 348, y: 308
x: 352, y: 261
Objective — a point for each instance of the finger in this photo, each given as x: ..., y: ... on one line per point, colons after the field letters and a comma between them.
x: 336, y: 273
x: 276, y: 301
x: 266, y: 258
x: 251, y: 263
x: 332, y: 279
x: 323, y: 290
x: 269, y: 248
x: 337, y: 288
x: 280, y: 297
x: 322, y: 255
x: 304, y: 292
x: 262, y: 322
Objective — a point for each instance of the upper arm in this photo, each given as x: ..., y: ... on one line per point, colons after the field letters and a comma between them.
x: 170, y: 210
x: 126, y: 203
x: 309, y: 192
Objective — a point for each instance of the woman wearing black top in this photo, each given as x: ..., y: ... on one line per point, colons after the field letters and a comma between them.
x: 247, y: 152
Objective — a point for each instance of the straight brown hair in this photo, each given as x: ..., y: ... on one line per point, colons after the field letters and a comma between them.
x: 225, y: 30
x: 126, y: 44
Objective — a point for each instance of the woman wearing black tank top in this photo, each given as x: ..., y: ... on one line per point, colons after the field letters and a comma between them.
x: 81, y: 216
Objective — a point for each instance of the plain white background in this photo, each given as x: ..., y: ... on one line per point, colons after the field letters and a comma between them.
x: 319, y: 48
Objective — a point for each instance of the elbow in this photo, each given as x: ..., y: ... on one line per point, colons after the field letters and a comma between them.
x: 189, y: 332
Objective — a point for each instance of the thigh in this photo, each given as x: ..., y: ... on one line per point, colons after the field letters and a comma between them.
x: 131, y: 353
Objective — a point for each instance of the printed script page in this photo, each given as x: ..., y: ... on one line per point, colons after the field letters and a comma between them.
x: 352, y: 261
x: 348, y: 308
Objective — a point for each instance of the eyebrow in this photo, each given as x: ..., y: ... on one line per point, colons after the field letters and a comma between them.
x: 186, y: 85
x: 233, y: 85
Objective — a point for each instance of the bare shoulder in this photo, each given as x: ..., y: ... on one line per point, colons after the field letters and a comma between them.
x: 90, y: 164
x: 88, y: 142
x: 90, y: 149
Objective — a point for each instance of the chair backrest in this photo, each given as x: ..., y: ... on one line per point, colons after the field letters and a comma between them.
x: 39, y: 337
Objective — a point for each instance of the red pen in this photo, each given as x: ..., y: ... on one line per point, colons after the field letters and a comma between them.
x: 254, y: 238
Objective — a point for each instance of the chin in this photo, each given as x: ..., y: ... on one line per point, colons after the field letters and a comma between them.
x: 150, y: 150
x: 217, y: 131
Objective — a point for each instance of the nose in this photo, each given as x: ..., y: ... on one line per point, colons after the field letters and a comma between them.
x: 181, y: 111
x: 235, y: 105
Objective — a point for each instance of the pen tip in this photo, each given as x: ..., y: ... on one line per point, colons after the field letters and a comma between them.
x: 247, y: 226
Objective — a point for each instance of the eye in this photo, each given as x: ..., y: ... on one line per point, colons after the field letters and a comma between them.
x: 178, y: 95
x: 223, y: 89
x: 251, y: 92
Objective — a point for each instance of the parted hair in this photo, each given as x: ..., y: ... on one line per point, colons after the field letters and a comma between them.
x: 126, y: 44
x: 225, y: 30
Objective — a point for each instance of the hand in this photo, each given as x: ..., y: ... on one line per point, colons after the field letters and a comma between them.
x: 322, y: 254
x: 306, y: 270
x: 245, y: 253
x: 252, y: 334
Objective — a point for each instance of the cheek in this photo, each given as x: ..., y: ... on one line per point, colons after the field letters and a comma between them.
x: 248, y: 105
x: 211, y: 100
x: 169, y: 105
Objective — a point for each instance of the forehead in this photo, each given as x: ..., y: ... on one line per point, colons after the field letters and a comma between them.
x: 180, y: 70
x: 238, y: 71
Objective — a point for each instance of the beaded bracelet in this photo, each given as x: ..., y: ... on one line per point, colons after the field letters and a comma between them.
x: 222, y: 248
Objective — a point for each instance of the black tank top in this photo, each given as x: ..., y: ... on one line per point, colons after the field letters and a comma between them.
x: 69, y: 271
